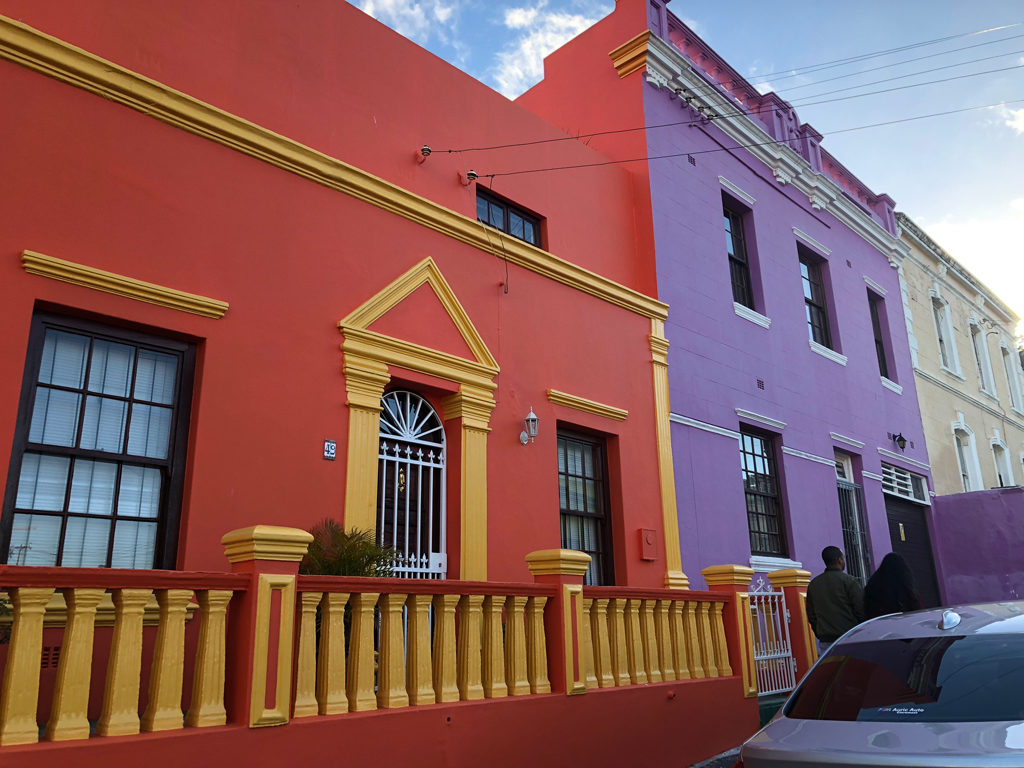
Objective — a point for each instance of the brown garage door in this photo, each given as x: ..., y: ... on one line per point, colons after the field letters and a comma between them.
x: 909, y: 534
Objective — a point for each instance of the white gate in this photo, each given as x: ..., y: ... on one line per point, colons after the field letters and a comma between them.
x: 411, y: 486
x: 773, y: 654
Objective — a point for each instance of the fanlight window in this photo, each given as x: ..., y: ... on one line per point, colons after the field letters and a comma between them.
x: 411, y: 485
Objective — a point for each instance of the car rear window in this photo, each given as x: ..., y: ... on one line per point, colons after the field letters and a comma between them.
x: 945, y: 679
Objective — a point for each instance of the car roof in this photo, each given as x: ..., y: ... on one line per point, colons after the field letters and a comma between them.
x: 978, y: 618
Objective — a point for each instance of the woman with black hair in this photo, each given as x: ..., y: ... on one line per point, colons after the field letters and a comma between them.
x: 890, y: 588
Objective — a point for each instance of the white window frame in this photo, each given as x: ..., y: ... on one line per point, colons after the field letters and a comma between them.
x: 979, y: 344
x: 1011, y: 366
x: 972, y: 470
x: 943, y: 321
x: 897, y: 481
x: 1002, y: 463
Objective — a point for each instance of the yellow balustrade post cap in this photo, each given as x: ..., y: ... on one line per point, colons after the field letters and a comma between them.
x: 715, y: 575
x: 790, y: 577
x: 676, y: 580
x: 566, y: 562
x: 266, y: 542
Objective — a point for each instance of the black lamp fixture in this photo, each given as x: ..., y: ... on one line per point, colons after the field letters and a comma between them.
x: 900, y: 441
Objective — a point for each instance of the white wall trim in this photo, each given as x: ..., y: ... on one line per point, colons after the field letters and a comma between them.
x: 746, y: 197
x: 875, y: 286
x: 809, y: 456
x: 824, y: 351
x: 767, y: 420
x: 844, y: 439
x: 871, y: 476
x: 900, y: 457
x: 764, y: 564
x: 964, y: 396
x: 824, y: 250
x: 749, y: 314
x: 703, y: 425
x: 890, y: 384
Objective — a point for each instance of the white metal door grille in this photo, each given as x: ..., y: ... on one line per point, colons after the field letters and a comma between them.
x: 773, y: 654
x: 411, y: 486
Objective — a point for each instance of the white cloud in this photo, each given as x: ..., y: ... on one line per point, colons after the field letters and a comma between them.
x: 1013, y: 118
x: 520, y: 63
x: 418, y: 21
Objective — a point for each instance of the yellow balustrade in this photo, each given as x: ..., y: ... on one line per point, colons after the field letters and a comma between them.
x: 652, y: 664
x: 663, y: 640
x: 445, y: 657
x: 69, y: 717
x: 718, y: 640
x: 634, y: 643
x: 391, y: 692
x: 707, y: 650
x: 418, y: 668
x: 207, y: 705
x: 20, y: 695
x: 677, y: 639
x: 587, y: 645
x: 361, y: 696
x: 494, y: 649
x: 120, y: 714
x: 536, y: 646
x: 165, y: 681
x: 516, y: 677
x: 469, y: 650
x: 617, y: 620
x: 601, y: 645
x: 692, y: 641
x: 331, y: 686
x: 305, y: 667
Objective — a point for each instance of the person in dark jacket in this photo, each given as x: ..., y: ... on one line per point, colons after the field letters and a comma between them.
x: 890, y: 588
x: 835, y: 600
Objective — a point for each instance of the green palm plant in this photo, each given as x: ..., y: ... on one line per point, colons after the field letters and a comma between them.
x: 337, y: 552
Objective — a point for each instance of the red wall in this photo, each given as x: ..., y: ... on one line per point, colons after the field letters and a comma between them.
x: 102, y: 185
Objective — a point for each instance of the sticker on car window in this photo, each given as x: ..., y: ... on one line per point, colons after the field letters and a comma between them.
x: 901, y: 710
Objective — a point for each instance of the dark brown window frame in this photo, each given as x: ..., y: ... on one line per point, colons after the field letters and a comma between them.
x: 769, y: 499
x: 876, y: 308
x: 508, y: 209
x: 602, y: 568
x: 738, y: 254
x: 812, y: 281
x: 168, y: 520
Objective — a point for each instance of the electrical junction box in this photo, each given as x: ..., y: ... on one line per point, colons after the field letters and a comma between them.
x: 648, y: 544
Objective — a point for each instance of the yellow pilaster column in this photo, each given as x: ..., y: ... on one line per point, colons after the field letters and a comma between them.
x: 418, y: 667
x: 361, y: 695
x: 207, y: 705
x: 365, y: 381
x: 120, y: 715
x: 165, y: 680
x: 674, y: 576
x: 69, y: 717
x: 305, y: 666
x: 472, y: 406
x: 391, y: 691
x: 21, y: 675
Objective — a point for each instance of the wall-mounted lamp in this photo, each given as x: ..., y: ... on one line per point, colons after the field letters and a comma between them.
x: 468, y: 177
x: 423, y: 153
x: 529, y: 428
x: 900, y: 441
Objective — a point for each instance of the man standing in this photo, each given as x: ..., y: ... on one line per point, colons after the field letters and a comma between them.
x: 835, y: 600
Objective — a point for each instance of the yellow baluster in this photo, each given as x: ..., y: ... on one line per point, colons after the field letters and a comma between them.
x: 536, y: 646
x: 207, y: 705
x: 120, y: 714
x: 677, y: 635
x: 361, y: 696
x: 469, y: 651
x: 707, y: 649
x: 516, y: 678
x: 719, y: 641
x: 165, y: 680
x: 599, y: 641
x: 445, y: 665
x: 587, y: 645
x: 391, y: 692
x: 692, y: 640
x: 635, y: 643
x: 331, y: 688
x: 418, y: 669
x: 20, y: 696
x: 305, y: 666
x: 663, y: 640
x: 69, y: 718
x: 652, y: 664
x: 494, y: 649
x: 618, y: 647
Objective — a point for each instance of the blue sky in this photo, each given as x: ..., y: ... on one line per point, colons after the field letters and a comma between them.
x: 960, y: 177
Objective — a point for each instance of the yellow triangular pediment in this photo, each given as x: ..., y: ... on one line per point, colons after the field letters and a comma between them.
x: 424, y: 273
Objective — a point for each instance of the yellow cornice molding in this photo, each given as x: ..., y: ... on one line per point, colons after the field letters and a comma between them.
x: 21, y: 44
x: 424, y: 273
x: 588, y: 406
x: 121, y: 285
x: 631, y: 56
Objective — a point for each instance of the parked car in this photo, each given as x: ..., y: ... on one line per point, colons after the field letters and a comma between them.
x: 927, y: 688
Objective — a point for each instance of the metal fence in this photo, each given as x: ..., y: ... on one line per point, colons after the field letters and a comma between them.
x: 773, y: 653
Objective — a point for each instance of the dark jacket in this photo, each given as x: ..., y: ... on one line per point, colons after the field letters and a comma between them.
x: 835, y: 604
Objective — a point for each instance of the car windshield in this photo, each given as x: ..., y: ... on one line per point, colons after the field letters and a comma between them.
x: 922, y: 679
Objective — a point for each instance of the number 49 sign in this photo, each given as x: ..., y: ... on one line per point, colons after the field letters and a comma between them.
x: 330, y: 449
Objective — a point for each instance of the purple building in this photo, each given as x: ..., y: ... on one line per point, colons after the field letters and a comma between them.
x: 795, y: 416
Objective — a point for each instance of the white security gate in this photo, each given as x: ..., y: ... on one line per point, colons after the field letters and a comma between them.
x: 411, y: 486
x: 773, y: 654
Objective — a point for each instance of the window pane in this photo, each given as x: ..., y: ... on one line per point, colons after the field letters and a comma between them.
x: 497, y: 216
x: 111, y: 370
x: 150, y: 431
x: 140, y: 492
x: 103, y: 426
x: 63, y: 362
x: 54, y: 417
x: 92, y: 487
x: 134, y: 545
x: 529, y: 235
x: 43, y: 482
x: 481, y: 209
x: 155, y: 379
x: 515, y: 225
x: 85, y: 543
x: 34, y: 540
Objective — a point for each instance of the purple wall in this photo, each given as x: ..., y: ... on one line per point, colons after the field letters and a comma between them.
x: 978, y: 539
